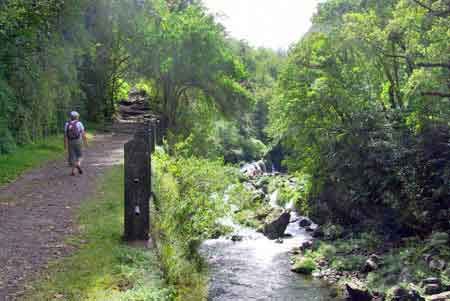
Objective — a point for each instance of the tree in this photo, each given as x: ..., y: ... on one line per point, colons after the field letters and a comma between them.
x: 185, y: 54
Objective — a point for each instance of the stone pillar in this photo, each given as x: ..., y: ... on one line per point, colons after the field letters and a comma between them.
x: 138, y: 185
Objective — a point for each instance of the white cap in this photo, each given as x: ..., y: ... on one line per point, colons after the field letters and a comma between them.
x: 74, y: 114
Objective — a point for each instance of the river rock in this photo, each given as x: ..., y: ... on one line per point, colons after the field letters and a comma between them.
x: 306, y: 245
x: 304, y: 222
x: 402, y: 294
x: 432, y: 286
x: 276, y: 228
x: 371, y: 264
x: 445, y: 296
x: 431, y: 280
x: 432, y: 289
x: 236, y: 238
x: 436, y: 264
x: 358, y: 292
x: 295, y: 251
x: 318, y: 233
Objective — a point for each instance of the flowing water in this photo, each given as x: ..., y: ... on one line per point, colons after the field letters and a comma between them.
x: 257, y: 268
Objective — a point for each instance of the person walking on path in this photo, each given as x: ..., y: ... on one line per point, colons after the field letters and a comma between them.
x: 74, y: 136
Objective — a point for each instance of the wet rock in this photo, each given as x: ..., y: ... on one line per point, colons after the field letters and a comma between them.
x: 295, y: 251
x: 318, y: 233
x: 358, y: 292
x: 310, y: 229
x: 432, y: 286
x: 306, y: 245
x: 431, y: 280
x: 398, y: 293
x: 371, y: 264
x: 236, y: 238
x: 432, y: 289
x: 276, y: 228
x: 304, y: 222
x: 436, y: 264
x: 402, y: 294
x: 445, y: 296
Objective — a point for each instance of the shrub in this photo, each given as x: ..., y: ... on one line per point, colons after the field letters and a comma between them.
x: 304, y: 265
x: 189, y: 200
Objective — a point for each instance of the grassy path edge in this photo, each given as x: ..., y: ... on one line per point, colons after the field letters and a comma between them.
x: 102, y: 268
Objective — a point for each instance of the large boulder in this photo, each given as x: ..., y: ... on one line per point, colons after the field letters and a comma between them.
x: 275, y: 229
x: 432, y: 289
x: 432, y: 286
x: 358, y: 292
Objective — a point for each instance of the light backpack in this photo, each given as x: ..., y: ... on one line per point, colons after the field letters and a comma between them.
x: 73, y: 131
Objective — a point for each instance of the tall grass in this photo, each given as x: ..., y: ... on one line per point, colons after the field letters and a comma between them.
x: 189, y: 201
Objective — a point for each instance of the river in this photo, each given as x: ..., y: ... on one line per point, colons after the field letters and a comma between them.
x: 257, y: 268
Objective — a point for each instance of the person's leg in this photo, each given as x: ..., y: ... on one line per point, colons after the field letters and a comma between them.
x: 73, y: 170
x: 72, y: 159
x: 79, y: 154
x: 78, y: 166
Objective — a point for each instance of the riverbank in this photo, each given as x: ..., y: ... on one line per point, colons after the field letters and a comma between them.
x: 360, y: 264
x: 188, y: 204
x: 366, y: 266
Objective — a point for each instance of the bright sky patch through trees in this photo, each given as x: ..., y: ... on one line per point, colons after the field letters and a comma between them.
x: 269, y: 23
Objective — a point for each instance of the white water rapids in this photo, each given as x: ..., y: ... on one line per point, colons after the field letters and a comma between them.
x: 257, y: 268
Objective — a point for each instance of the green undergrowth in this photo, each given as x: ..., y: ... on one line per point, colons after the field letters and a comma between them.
x: 189, y: 201
x: 253, y: 209
x: 29, y: 156
x: 103, y: 267
x: 33, y: 155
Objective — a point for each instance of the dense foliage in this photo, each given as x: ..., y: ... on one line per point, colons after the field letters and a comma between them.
x: 56, y: 56
x: 363, y: 108
x: 59, y: 56
x: 189, y: 201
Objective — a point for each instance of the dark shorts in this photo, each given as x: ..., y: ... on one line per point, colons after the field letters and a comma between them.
x: 75, y: 151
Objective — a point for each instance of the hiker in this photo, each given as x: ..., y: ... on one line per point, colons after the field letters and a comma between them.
x: 74, y: 135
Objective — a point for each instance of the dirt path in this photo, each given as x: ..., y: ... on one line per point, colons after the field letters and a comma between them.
x: 37, y: 211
